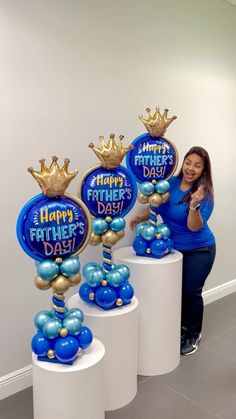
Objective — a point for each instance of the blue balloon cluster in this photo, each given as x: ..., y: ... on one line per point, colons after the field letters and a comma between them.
x: 101, y: 225
x: 152, y: 240
x: 106, y: 289
x: 60, y: 339
x: 48, y: 269
x: 148, y: 188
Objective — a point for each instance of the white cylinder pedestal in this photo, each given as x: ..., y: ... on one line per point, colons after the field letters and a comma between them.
x: 158, y: 286
x: 70, y: 391
x: 117, y: 329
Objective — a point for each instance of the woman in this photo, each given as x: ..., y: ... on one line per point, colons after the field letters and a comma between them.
x: 186, y: 214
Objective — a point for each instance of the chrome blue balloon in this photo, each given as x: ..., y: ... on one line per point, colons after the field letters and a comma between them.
x: 76, y: 312
x: 124, y: 271
x: 94, y: 278
x: 164, y: 231
x: 117, y: 224
x: 84, y: 292
x: 114, y: 278
x: 72, y: 324
x: 41, y: 318
x: 90, y: 266
x: 105, y: 297
x: 146, y: 188
x: 148, y: 232
x: 162, y: 186
x: 70, y: 266
x: 99, y: 225
x: 139, y: 228
x: 85, y: 337
x: 52, y: 328
x: 158, y: 248
x: 40, y: 344
x: 47, y: 269
x: 126, y: 292
x: 66, y: 349
x: 140, y: 246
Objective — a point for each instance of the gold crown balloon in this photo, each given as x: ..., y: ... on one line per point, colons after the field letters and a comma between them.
x: 157, y: 123
x: 53, y: 180
x: 110, y: 154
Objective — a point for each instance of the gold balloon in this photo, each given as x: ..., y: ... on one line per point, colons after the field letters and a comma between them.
x: 158, y: 236
x: 95, y: 239
x: 58, y: 260
x: 148, y: 251
x: 61, y: 284
x: 80, y: 351
x: 155, y: 199
x: 119, y: 302
x: 108, y: 219
x: 75, y: 280
x: 121, y: 234
x: 110, y: 238
x: 63, y: 332
x: 143, y: 199
x: 165, y: 196
x: 104, y: 283
x: 91, y: 296
x: 50, y: 354
x: 42, y: 284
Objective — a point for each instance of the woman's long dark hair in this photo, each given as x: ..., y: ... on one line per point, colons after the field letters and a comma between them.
x: 205, y: 179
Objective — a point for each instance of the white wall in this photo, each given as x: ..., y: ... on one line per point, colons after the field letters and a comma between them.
x: 72, y: 70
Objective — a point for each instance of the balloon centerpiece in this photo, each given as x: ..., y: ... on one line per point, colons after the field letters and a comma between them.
x: 109, y: 191
x: 153, y: 160
x: 53, y: 228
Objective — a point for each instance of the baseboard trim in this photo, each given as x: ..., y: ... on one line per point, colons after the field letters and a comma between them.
x: 221, y: 291
x: 15, y: 381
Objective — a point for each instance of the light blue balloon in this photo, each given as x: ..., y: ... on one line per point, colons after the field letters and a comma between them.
x: 99, y: 225
x: 90, y: 266
x: 41, y: 318
x: 70, y: 266
x: 72, y: 324
x: 94, y: 278
x: 162, y: 186
x: 146, y: 188
x: 124, y: 271
x: 47, y: 269
x: 148, y: 232
x: 52, y: 328
x: 139, y: 228
x: 117, y: 224
x: 76, y: 312
x: 114, y: 278
x: 164, y: 231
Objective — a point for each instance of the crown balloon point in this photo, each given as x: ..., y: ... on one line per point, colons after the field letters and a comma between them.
x: 112, y: 153
x: 157, y: 123
x: 53, y: 180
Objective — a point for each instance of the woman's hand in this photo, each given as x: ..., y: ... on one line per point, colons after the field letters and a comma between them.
x: 197, y: 196
x: 135, y: 221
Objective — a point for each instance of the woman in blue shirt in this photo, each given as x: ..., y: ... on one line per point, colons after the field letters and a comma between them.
x: 186, y: 214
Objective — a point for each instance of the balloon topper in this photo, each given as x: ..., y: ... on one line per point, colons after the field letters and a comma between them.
x: 53, y: 228
x: 152, y: 161
x: 109, y: 191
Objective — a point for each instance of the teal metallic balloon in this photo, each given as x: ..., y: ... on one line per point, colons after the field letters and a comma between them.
x: 139, y: 228
x: 162, y: 186
x: 117, y: 224
x: 114, y: 278
x: 76, y: 312
x: 124, y: 271
x: 164, y: 231
x: 94, y: 278
x: 99, y: 225
x: 52, y: 328
x: 41, y: 318
x: 47, y: 269
x: 148, y: 232
x: 70, y: 266
x: 90, y: 266
x: 72, y: 324
x: 146, y: 188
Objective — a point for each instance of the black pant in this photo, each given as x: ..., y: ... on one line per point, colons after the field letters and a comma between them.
x: 197, y: 265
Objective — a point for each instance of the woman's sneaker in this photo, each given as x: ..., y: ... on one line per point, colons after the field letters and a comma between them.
x: 190, y: 345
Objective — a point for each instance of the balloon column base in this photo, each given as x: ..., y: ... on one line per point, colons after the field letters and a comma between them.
x: 150, y: 255
x: 152, y: 246
x: 55, y: 361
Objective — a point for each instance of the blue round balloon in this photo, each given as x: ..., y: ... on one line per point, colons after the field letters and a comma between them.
x: 148, y: 232
x: 114, y: 278
x: 40, y: 344
x: 158, y: 248
x: 41, y: 318
x: 84, y: 291
x: 124, y: 271
x: 126, y: 292
x: 146, y: 188
x: 94, y: 278
x: 169, y: 244
x: 105, y: 297
x: 66, y: 349
x: 109, y: 192
x: 76, y: 312
x: 70, y: 266
x: 164, y: 231
x: 99, y: 225
x: 90, y: 266
x: 139, y: 228
x: 162, y: 186
x: 47, y: 269
x: 52, y: 328
x: 117, y: 224
x: 140, y: 246
x: 72, y: 324
x: 85, y: 337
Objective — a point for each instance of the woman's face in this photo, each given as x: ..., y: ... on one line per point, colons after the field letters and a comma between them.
x: 192, y: 168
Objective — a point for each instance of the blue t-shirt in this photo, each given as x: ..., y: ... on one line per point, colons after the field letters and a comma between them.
x: 175, y: 214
